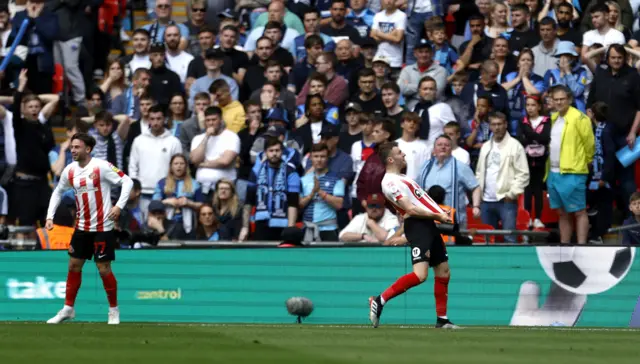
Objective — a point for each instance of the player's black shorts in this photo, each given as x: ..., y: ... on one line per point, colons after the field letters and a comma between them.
x: 425, y: 241
x: 101, y: 246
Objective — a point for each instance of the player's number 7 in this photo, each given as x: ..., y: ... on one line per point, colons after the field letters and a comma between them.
x: 100, y: 245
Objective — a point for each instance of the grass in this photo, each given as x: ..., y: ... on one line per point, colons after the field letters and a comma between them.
x: 71, y: 343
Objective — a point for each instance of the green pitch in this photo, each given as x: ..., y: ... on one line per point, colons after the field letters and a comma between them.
x: 34, y: 343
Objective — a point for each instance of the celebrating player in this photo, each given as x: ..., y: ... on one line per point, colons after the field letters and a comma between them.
x: 91, y: 179
x: 420, y: 213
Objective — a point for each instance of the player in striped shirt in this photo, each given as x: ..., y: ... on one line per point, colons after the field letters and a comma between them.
x: 91, y: 180
x: 420, y: 215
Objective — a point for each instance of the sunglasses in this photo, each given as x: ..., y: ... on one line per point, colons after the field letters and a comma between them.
x: 198, y: 10
x: 163, y: 6
x: 375, y: 206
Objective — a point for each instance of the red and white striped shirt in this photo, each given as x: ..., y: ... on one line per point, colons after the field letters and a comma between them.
x: 92, y: 187
x: 397, y: 186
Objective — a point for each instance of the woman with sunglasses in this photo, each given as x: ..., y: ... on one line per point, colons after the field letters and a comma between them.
x: 209, y: 227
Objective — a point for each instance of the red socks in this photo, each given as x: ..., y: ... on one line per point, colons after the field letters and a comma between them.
x: 440, y: 291
x: 111, y: 287
x: 74, y: 279
x: 400, y: 286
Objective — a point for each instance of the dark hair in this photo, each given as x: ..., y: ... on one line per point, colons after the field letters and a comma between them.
x: 311, y: 11
x: 317, y: 76
x: 619, y: 48
x: 498, y: 115
x: 232, y: 28
x: 487, y: 98
x: 185, y: 111
x: 141, y: 31
x: 566, y: 5
x: 427, y: 79
x: 273, y: 63
x: 339, y: 1
x: 103, y: 116
x: 521, y: 7
x: 158, y: 108
x: 366, y: 72
x: 600, y: 110
x: 139, y: 73
x: 247, y: 104
x: 452, y: 125
x: 312, y: 41
x: 136, y: 184
x: 200, y: 232
x: 599, y: 7
x: 276, y: 85
x: 263, y: 38
x: 319, y: 147
x: 476, y: 16
x: 562, y: 88
x: 390, y: 85
x: 147, y: 96
x: 410, y: 115
x: 206, y: 29
x: 87, y: 139
x: 273, y: 25
x: 213, y: 110
x: 548, y: 21
x: 384, y: 150
x: 307, y: 102
x: 4, y: 8
x: 437, y: 194
x: 95, y: 91
x: 526, y: 51
x: 217, y: 85
x: 330, y: 57
x: 388, y: 125
x: 202, y: 96
x: 270, y: 141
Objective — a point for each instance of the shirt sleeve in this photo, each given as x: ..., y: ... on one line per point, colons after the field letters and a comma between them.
x: 402, y: 21
x: 293, y: 182
x: 338, y: 189
x: 392, y: 191
x: 375, y: 25
x: 184, y: 31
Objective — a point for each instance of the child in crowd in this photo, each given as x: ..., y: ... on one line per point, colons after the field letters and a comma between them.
x: 479, y: 127
x: 452, y: 130
x: 458, y: 81
x: 632, y: 236
x: 443, y: 53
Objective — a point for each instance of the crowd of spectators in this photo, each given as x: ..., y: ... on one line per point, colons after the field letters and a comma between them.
x: 256, y: 117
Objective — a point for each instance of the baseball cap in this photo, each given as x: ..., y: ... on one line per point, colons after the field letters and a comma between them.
x: 277, y: 113
x: 423, y: 43
x: 157, y: 47
x: 215, y: 53
x: 275, y: 131
x: 375, y: 198
x: 156, y: 206
x: 368, y: 42
x: 382, y: 59
x: 353, y: 106
x: 329, y: 130
x: 227, y: 13
x: 565, y: 47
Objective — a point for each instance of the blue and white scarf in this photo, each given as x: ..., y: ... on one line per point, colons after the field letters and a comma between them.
x: 271, y: 195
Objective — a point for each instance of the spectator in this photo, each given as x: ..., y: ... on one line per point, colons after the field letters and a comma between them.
x: 277, y: 117
x: 195, y: 124
x: 602, y: 178
x: 375, y: 225
x: 503, y: 174
x: 254, y: 78
x: 535, y: 134
x: 338, y: 28
x: 479, y: 126
x: 388, y: 29
x: 232, y: 110
x: 114, y: 83
x: 444, y: 54
x: 361, y: 150
x: 454, y: 176
x: 487, y: 85
x: 368, y: 98
x: 452, y: 130
x: 360, y: 17
x: 151, y: 154
x: 273, y: 74
x: 544, y: 52
x: 276, y: 198
x: 68, y: 43
x: 281, y: 53
x: 158, y: 223
x: 520, y: 84
x: 177, y: 113
x: 627, y: 15
x: 214, y: 59
x: 195, y: 22
x: 476, y: 50
x: 390, y: 99
x: 140, y: 126
x: 322, y: 195
x: 227, y: 208
x: 417, y: 151
x: 618, y: 86
x: 181, y: 196
x: 353, y: 131
x: 337, y: 90
x: 164, y: 82
x: 566, y: 31
x: 602, y: 33
x: 347, y: 65
x: 434, y: 114
x: 156, y: 29
x: 239, y: 59
x: 523, y: 36
x: 214, y: 152
x: 209, y: 227
x: 570, y: 151
x: 41, y: 32
x: 569, y: 73
x: 313, y: 47
x: 197, y: 67
x: 133, y: 218
x: 318, y: 86
x: 109, y: 140
x: 309, y: 132
x: 311, y: 20
x: 632, y: 236
x: 424, y: 66
x: 277, y: 11
x: 615, y: 20
x: 128, y: 103
x: 382, y: 69
x: 141, y: 40
x: 280, y: 14
x: 370, y: 179
x: 177, y: 60
x: 60, y: 156
x: 369, y: 49
x: 30, y: 189
x: 503, y: 57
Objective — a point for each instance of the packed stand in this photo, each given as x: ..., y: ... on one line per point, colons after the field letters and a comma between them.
x: 253, y: 118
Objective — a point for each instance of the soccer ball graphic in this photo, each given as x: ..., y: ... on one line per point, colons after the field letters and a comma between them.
x: 586, y: 270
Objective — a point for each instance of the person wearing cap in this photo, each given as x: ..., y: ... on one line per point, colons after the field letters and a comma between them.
x: 311, y: 20
x: 368, y: 97
x: 163, y: 11
x: 380, y: 66
x: 177, y: 60
x: 424, y: 66
x: 164, y: 82
x: 353, y: 131
x: 570, y: 73
x: 369, y: 49
x: 195, y: 22
x: 389, y: 29
x: 214, y: 59
x: 197, y: 67
x: 277, y: 126
x: 281, y: 14
x: 360, y: 17
x: 375, y: 225
x: 322, y: 195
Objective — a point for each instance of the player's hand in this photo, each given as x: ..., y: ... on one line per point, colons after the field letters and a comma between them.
x: 244, y: 234
x: 114, y: 213
x: 561, y: 307
x: 49, y: 224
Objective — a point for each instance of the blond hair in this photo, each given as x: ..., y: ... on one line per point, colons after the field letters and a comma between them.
x: 234, y: 202
x: 170, y: 181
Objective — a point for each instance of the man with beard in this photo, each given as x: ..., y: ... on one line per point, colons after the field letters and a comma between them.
x: 164, y: 82
x: 254, y: 78
x: 522, y: 36
x: 368, y: 98
x: 140, y: 56
x: 177, y: 60
x: 564, y: 15
x: 338, y: 28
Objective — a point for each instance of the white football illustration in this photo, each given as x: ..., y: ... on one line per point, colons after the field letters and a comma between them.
x: 586, y: 269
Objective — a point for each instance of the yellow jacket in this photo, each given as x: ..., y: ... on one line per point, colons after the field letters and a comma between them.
x: 234, y: 116
x: 578, y: 142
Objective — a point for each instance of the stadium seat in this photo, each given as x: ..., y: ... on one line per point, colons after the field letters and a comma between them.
x: 58, y: 79
x: 482, y: 238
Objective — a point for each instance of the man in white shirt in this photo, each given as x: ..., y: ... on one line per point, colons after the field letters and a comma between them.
x: 214, y: 152
x: 373, y: 226
x: 452, y: 130
x: 388, y: 29
x: 177, y: 59
x: 140, y: 56
x: 417, y: 151
x: 603, y: 33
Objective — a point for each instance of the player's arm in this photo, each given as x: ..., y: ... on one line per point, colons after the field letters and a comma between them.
x: 414, y: 211
x: 56, y: 196
x: 117, y: 177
